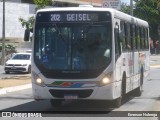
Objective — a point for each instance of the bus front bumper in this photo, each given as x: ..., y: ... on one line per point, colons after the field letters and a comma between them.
x: 94, y: 93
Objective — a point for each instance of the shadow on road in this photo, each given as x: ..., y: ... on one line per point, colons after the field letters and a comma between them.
x: 68, y: 108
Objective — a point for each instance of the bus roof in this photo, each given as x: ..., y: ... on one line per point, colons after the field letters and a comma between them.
x: 115, y: 13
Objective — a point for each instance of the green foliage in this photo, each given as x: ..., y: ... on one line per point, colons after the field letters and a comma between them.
x: 41, y: 3
x: 148, y: 10
x: 28, y: 24
x: 8, y: 48
x: 125, y: 8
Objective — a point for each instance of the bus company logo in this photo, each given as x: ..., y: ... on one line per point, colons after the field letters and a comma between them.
x: 6, y: 114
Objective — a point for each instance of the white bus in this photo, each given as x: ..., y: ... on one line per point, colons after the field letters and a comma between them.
x: 88, y: 53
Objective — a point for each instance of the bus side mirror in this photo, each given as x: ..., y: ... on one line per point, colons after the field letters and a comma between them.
x: 26, y: 35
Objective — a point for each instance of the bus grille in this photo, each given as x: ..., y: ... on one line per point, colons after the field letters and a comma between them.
x: 79, y: 93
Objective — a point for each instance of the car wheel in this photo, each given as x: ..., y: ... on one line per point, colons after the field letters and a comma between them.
x: 7, y: 72
x: 29, y: 69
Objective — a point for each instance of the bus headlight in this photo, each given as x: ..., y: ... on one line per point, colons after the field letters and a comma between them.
x: 106, y: 80
x: 38, y: 80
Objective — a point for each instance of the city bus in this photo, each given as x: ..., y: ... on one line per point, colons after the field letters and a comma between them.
x: 88, y: 53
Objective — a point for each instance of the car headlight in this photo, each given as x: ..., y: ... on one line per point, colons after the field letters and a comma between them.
x: 38, y: 80
x: 106, y: 80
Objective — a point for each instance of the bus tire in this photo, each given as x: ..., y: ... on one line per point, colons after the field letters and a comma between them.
x: 123, y: 89
x: 118, y: 101
x: 29, y: 70
x: 138, y: 91
x: 56, y: 102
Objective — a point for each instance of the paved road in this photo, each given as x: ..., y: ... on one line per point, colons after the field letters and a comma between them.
x: 149, y: 101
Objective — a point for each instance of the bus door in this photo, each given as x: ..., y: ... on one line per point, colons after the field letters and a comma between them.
x: 129, y: 56
x: 132, y: 55
x: 118, y: 60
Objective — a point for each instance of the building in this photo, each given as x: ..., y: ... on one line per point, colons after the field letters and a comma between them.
x: 14, y: 32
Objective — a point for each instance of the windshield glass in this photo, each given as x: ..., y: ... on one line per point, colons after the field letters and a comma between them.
x: 73, y: 46
x: 21, y: 57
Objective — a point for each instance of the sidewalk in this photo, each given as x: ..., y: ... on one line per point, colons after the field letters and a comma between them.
x: 24, y: 81
x: 14, y: 83
x: 154, y: 61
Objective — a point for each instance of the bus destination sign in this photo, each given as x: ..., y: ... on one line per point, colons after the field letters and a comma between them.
x: 73, y: 17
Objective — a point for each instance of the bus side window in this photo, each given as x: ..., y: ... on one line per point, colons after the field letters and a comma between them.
x: 138, y: 39
x: 146, y: 38
x: 124, y: 42
x: 133, y: 41
x: 117, y: 43
x: 142, y: 38
x: 128, y: 37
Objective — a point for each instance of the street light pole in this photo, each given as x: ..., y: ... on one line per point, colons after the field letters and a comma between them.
x: 131, y: 4
x: 3, y: 35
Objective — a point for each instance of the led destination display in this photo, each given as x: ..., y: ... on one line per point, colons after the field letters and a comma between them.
x: 73, y: 17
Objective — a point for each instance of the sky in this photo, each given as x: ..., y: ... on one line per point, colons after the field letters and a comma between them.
x: 126, y: 1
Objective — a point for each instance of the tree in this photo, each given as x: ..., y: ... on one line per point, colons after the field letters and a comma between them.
x: 9, y: 50
x: 40, y: 4
x: 125, y: 8
x: 148, y: 10
x: 28, y: 24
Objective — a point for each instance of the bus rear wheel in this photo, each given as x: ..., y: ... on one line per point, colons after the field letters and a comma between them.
x: 138, y: 91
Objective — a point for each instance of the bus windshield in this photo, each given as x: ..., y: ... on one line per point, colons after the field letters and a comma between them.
x: 73, y: 45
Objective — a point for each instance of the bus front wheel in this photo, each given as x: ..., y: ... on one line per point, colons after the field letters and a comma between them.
x: 117, y: 102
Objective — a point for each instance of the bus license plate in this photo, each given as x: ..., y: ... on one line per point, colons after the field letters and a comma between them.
x: 13, y: 68
x: 70, y: 97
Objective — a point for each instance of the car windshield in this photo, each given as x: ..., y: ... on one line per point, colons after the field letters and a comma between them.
x: 21, y: 57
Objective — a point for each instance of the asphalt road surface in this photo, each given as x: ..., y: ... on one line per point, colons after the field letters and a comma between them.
x: 149, y: 101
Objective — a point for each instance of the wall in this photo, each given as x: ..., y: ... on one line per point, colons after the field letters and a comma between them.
x: 13, y: 29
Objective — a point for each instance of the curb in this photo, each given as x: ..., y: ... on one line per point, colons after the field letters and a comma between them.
x: 15, y: 88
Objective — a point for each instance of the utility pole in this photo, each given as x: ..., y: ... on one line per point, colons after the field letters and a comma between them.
x: 131, y: 4
x: 91, y: 2
x: 3, y: 36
